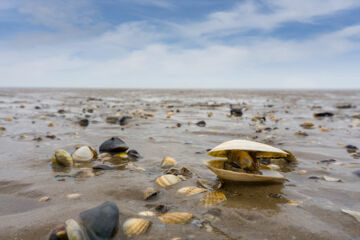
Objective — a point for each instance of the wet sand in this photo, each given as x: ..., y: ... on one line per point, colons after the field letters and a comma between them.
x: 26, y: 173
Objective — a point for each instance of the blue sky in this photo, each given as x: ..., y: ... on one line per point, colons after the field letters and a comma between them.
x: 180, y: 44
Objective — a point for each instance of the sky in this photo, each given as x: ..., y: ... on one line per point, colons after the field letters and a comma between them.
x: 266, y: 44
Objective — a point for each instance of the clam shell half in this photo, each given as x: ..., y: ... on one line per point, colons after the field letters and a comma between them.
x: 176, y: 218
x: 135, y: 226
x: 244, y: 145
x: 217, y: 166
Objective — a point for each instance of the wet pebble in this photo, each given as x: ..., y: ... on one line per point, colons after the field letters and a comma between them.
x: 84, y: 122
x: 112, y: 120
x: 328, y: 161
x: 351, y: 148
x: 237, y: 112
x: 134, y: 155
x: 124, y: 120
x: 323, y: 114
x: 275, y: 195
x: 201, y: 123
x: 314, y: 177
x: 102, y: 221
x: 102, y: 167
x: 357, y: 173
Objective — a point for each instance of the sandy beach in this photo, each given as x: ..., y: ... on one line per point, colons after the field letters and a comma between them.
x: 36, y: 122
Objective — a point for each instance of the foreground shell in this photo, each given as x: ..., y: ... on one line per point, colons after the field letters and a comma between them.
x: 191, y: 190
x: 244, y: 145
x: 213, y: 198
x: 168, y: 162
x: 62, y: 158
x: 113, y: 145
x: 167, y: 180
x: 74, y: 231
x: 84, y: 153
x: 175, y: 217
x: 217, y: 166
x: 135, y: 226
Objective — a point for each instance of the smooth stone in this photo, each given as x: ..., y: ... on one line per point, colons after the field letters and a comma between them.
x: 323, y: 114
x: 102, y: 167
x: 237, y: 112
x: 113, y: 145
x: 201, y: 124
x: 133, y: 154
x: 101, y: 222
x: 125, y: 120
x: 112, y: 120
x: 84, y: 122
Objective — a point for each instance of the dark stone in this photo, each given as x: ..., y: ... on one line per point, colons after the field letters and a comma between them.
x: 357, y: 173
x: 237, y: 112
x: 37, y: 107
x: 178, y: 124
x: 84, y: 122
x: 102, y: 167
x: 133, y: 154
x: 351, y: 147
x: 101, y: 222
x: 345, y: 106
x: 161, y: 208
x: 314, y: 177
x: 125, y: 120
x: 201, y: 123
x: 275, y: 195
x: 38, y: 139
x: 112, y: 120
x: 323, y: 114
x: 113, y: 145
x: 61, y: 111
x: 328, y: 161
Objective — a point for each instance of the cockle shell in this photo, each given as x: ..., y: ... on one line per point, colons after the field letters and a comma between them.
x: 150, y: 193
x: 191, y: 190
x: 135, y: 226
x: 213, y: 198
x: 74, y: 230
x: 244, y: 145
x: 175, y: 217
x: 147, y: 213
x: 84, y: 153
x: 167, y: 180
x: 168, y: 162
x: 217, y: 166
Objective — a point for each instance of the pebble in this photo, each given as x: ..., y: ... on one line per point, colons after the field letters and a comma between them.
x: 112, y: 120
x: 323, y: 114
x: 44, y: 199
x: 124, y: 120
x: 84, y: 122
x: 74, y: 196
x: 102, y: 167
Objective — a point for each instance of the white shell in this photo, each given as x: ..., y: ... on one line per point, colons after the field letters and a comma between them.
x: 217, y: 166
x: 352, y: 213
x: 74, y: 230
x: 167, y: 180
x: 168, y: 162
x: 244, y: 145
x: 83, y: 153
x: 191, y: 190
x: 135, y: 226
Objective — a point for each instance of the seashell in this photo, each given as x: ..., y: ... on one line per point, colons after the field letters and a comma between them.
x: 169, y: 114
x: 217, y: 166
x: 331, y: 179
x: 147, y: 213
x: 62, y: 158
x: 44, y: 199
x: 74, y: 230
x: 84, y: 153
x: 302, y: 172
x: 307, y: 125
x: 244, y: 145
x: 113, y: 145
x: 167, y: 180
x: 73, y: 196
x: 208, y: 185
x: 184, y: 171
x: 175, y: 217
x: 213, y: 198
x: 168, y: 162
x: 150, y: 193
x: 354, y: 214
x: 191, y: 190
x: 133, y: 154
x: 135, y: 226
x: 294, y: 202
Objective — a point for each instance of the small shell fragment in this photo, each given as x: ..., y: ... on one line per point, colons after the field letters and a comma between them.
x: 168, y: 162
x: 175, y: 217
x: 307, y: 125
x: 135, y: 226
x: 191, y: 190
x: 331, y: 179
x: 352, y: 213
x: 147, y: 213
x: 74, y: 231
x: 302, y: 172
x: 73, y: 196
x: 150, y: 193
x: 294, y: 202
x: 167, y: 180
x: 213, y: 198
x: 44, y: 199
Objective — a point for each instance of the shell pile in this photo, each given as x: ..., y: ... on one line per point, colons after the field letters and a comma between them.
x: 176, y: 217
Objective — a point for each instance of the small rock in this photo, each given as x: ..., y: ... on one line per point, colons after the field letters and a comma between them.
x: 150, y: 193
x: 124, y: 120
x: 323, y: 114
x: 344, y: 106
x: 302, y: 172
x: 331, y: 179
x: 275, y: 195
x: 237, y: 112
x: 51, y: 135
x: 133, y: 154
x: 51, y: 124
x: 37, y: 107
x: 58, y: 233
x: 307, y: 125
x: 301, y: 133
x: 357, y: 173
x: 161, y: 208
x: 351, y: 148
x: 84, y: 122
x: 61, y: 111
x: 168, y: 162
x: 74, y: 230
x: 62, y: 158
x: 44, y: 199
x: 201, y: 123
x: 2, y: 129
x: 210, y: 114
x: 328, y: 161
x: 73, y: 196
x: 112, y: 120
x: 314, y: 177
x: 9, y: 119
x: 102, y: 167
x: 102, y: 221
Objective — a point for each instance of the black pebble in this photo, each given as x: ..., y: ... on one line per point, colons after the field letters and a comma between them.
x: 323, y: 114
x: 357, y: 173
x: 314, y: 177
x: 328, y: 161
x: 201, y: 123
x: 102, y: 167
x: 275, y: 195
x: 237, y: 112
x: 125, y: 120
x: 84, y: 122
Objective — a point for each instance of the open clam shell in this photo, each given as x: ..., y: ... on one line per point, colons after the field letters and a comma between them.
x: 136, y: 226
x: 191, y: 190
x: 84, y: 153
x: 213, y: 198
x: 244, y: 145
x: 175, y: 217
x: 217, y: 166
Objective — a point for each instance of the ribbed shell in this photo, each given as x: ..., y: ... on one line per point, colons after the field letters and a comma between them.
x: 191, y: 190
x: 213, y: 198
x: 168, y: 162
x: 167, y: 180
x: 176, y: 217
x: 135, y: 226
x: 243, y: 145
